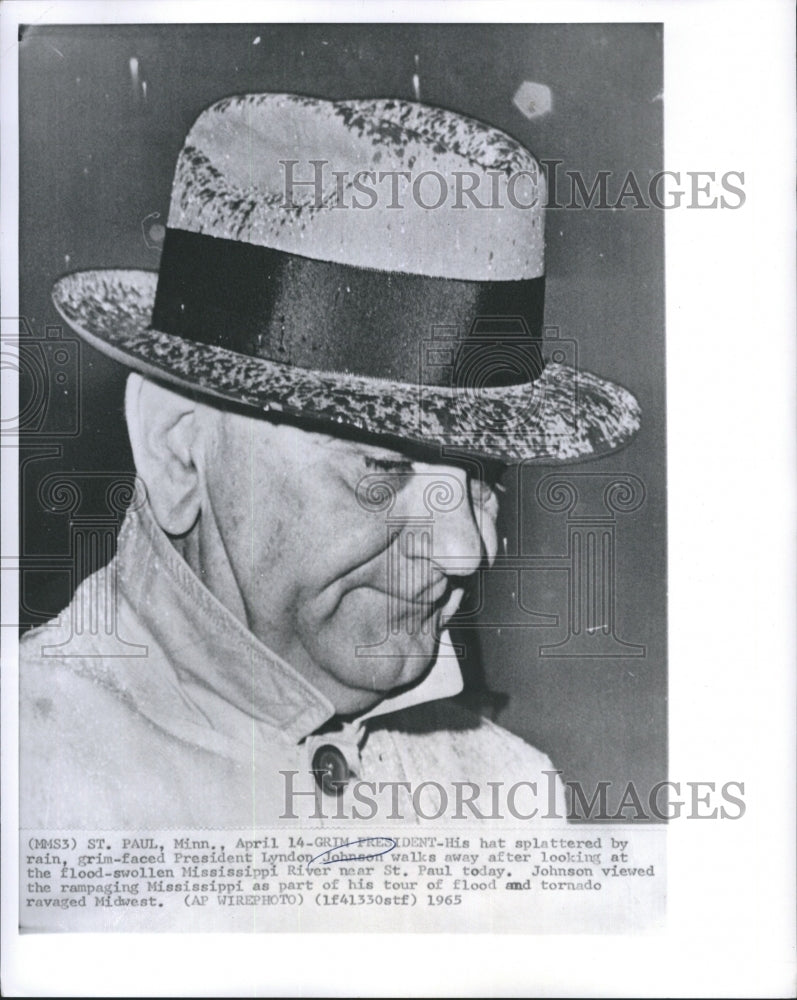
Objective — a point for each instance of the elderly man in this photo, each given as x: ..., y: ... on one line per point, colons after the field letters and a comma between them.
x: 342, y: 342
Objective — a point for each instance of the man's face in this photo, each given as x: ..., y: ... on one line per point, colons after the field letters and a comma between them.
x: 349, y: 558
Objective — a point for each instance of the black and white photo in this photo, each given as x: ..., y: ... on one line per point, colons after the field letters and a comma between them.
x: 356, y: 435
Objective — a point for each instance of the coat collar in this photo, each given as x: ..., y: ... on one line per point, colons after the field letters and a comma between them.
x: 220, y: 666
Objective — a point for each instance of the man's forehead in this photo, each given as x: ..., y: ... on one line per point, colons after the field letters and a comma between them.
x: 357, y: 447
x: 342, y: 447
x: 309, y: 443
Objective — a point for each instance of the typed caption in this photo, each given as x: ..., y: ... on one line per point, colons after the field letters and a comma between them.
x: 600, y: 877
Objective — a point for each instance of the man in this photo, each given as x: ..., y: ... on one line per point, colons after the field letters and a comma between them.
x: 344, y: 342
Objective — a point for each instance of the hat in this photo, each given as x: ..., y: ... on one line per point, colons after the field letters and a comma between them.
x: 370, y: 265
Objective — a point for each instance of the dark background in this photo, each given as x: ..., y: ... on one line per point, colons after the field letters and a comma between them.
x: 96, y: 161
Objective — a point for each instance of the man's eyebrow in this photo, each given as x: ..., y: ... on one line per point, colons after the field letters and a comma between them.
x: 487, y: 471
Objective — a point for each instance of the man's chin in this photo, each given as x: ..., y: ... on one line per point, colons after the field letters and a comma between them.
x: 376, y: 677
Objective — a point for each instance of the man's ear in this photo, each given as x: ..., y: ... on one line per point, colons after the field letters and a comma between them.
x: 163, y: 429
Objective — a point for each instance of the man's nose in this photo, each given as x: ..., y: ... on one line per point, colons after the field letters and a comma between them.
x: 462, y: 532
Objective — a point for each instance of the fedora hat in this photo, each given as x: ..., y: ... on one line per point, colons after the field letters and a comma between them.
x: 374, y: 266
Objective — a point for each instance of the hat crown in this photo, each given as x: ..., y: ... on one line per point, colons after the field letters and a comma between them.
x: 384, y: 184
x: 395, y: 320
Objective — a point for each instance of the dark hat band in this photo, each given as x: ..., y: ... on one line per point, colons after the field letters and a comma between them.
x: 326, y: 316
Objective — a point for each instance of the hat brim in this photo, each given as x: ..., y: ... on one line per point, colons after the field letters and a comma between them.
x: 566, y: 415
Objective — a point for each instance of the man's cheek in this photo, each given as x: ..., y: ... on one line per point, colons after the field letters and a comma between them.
x: 374, y: 617
x: 359, y: 620
x: 360, y: 645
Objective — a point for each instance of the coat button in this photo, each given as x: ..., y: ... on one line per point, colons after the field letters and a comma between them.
x: 330, y: 769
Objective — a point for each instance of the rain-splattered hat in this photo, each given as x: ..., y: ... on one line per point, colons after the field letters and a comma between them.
x: 373, y: 265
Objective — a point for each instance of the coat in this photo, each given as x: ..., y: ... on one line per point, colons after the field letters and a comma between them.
x: 147, y: 704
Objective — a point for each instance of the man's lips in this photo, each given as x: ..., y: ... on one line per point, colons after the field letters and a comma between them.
x: 427, y: 597
x: 417, y: 589
x: 443, y: 597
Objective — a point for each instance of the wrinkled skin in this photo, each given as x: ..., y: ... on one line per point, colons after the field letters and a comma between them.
x: 310, y: 539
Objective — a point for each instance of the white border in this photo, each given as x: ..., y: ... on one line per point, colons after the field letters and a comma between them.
x: 729, y: 104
